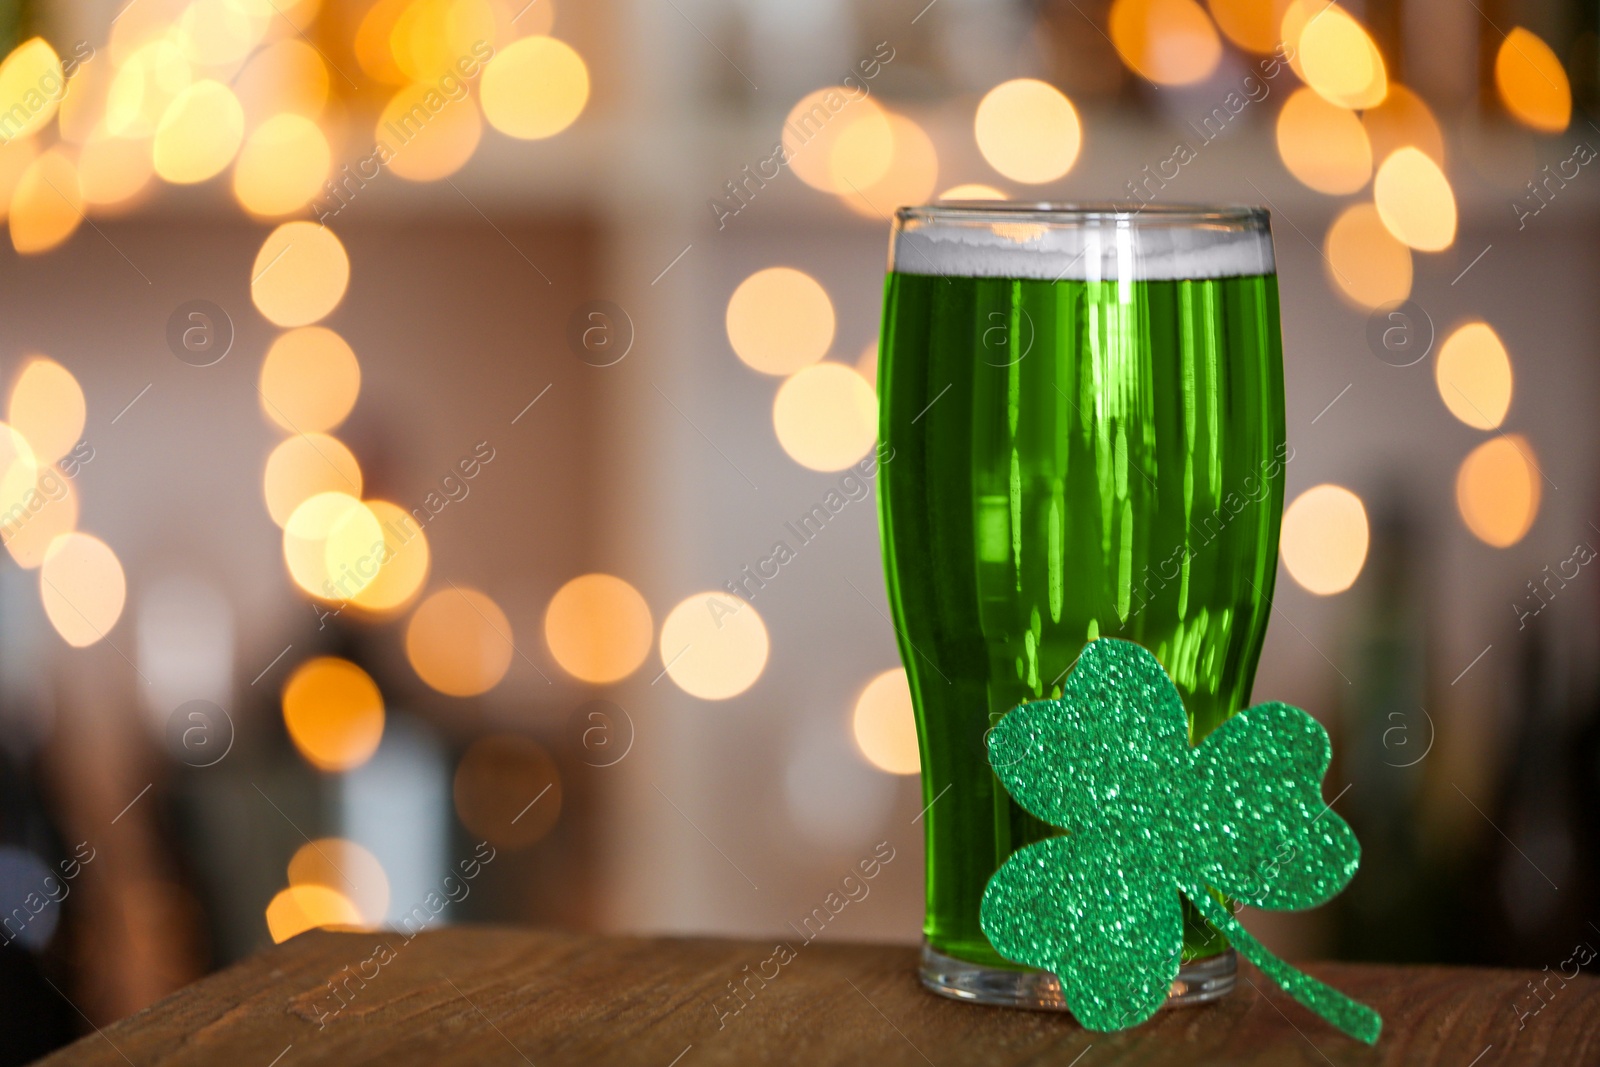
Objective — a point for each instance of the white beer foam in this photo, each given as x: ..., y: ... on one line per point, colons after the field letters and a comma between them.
x: 1096, y: 252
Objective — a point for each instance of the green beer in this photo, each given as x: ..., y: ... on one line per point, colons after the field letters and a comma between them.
x: 1085, y: 411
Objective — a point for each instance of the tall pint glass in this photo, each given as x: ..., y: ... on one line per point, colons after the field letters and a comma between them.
x: 1085, y: 409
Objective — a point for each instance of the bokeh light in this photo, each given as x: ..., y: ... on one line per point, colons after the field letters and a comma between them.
x: 1338, y: 59
x: 1295, y: 16
x: 404, y: 560
x: 1533, y: 85
x: 884, y: 725
x: 348, y: 869
x: 1251, y: 24
x: 36, y: 503
x: 536, y: 20
x: 199, y: 134
x: 31, y: 87
x: 138, y: 26
x: 1293, y: 23
x: 598, y: 628
x: 353, y: 552
x: 47, y: 408
x: 47, y: 205
x: 1364, y: 260
x: 19, y: 471
x: 912, y: 173
x: 429, y: 136
x: 1028, y: 131
x: 300, y: 274
x: 286, y: 76
x: 113, y: 170
x: 1324, y: 539
x: 1322, y: 144
x: 15, y: 159
x: 507, y: 791
x: 49, y: 511
x: 779, y: 320
x: 325, y: 534
x: 372, y: 41
x: 429, y: 37
x: 145, y: 85
x: 310, y: 380
x: 218, y: 33
x: 867, y: 363
x: 1497, y: 490
x: 534, y: 88
x: 1474, y: 376
x: 1169, y: 42
x: 334, y: 713
x: 826, y: 416
x: 1403, y: 119
x: 83, y: 106
x: 304, y: 465
x: 310, y: 907
x: 972, y: 191
x: 282, y: 166
x: 862, y: 155
x: 83, y: 588
x: 1415, y: 201
x: 459, y: 642
x: 714, y: 646
x: 836, y: 135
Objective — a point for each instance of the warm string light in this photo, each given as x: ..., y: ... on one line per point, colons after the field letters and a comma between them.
x: 1473, y: 372
x: 1028, y: 131
x: 598, y: 628
x: 780, y: 320
x: 1497, y: 490
x: 458, y: 640
x: 82, y: 586
x: 1532, y: 82
x: 714, y: 646
x: 225, y: 85
x: 346, y: 868
x: 507, y: 790
x: 1324, y: 145
x: 1365, y: 263
x: 1169, y: 42
x: 1324, y: 539
x: 333, y: 712
x: 884, y: 726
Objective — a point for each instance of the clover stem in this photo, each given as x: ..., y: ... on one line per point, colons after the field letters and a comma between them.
x: 1353, y: 1017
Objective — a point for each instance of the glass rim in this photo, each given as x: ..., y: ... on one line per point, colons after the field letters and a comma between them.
x: 1069, y: 213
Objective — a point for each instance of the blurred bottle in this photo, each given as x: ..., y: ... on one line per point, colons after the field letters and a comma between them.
x: 34, y: 1019
x: 1390, y: 912
x: 1540, y: 881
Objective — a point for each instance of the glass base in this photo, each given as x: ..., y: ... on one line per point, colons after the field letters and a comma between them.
x: 1198, y: 982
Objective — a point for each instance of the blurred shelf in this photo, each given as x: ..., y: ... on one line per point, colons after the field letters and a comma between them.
x: 465, y: 995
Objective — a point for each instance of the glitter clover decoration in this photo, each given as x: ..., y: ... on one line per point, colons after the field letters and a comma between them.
x: 1148, y: 817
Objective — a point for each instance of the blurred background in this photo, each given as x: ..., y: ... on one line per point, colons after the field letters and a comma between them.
x: 404, y: 401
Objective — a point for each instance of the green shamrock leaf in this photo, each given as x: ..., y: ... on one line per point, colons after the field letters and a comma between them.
x: 1148, y: 817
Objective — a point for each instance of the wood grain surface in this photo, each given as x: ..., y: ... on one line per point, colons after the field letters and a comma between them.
x: 486, y: 996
